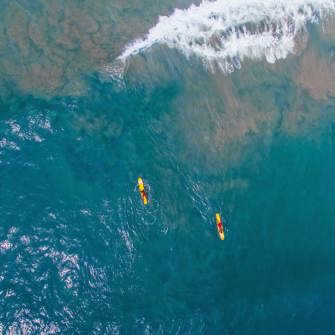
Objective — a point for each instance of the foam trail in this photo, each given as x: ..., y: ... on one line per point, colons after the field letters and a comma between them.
x: 224, y: 32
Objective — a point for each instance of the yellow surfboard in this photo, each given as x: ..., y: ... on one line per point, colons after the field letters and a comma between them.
x: 219, y: 226
x: 141, y: 188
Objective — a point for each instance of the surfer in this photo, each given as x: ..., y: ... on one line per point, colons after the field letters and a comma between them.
x: 141, y: 188
x: 219, y: 226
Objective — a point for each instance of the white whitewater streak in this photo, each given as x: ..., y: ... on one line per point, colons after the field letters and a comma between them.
x: 224, y: 32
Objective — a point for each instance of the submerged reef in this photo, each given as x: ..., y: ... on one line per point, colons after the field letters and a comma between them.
x: 46, y: 46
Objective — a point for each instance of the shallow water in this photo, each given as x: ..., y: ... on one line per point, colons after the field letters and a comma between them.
x: 81, y: 255
x: 46, y: 47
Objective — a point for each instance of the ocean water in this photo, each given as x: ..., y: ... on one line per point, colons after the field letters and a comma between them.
x: 226, y: 106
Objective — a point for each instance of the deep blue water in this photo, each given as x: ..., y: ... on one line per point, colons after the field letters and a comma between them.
x: 80, y: 254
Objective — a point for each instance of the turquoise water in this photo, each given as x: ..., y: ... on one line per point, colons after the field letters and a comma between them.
x: 79, y: 252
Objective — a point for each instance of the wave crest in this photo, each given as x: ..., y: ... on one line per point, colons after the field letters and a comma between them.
x: 222, y: 33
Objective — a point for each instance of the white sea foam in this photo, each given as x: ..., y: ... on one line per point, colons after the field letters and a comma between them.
x: 222, y: 33
x: 5, y: 245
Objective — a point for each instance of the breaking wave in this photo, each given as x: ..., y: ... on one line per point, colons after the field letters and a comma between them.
x: 222, y: 33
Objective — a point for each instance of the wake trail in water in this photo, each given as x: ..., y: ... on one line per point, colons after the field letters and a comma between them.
x: 222, y: 33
